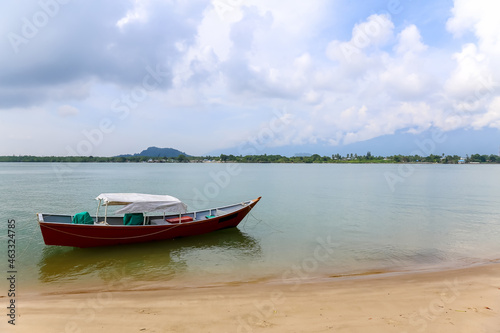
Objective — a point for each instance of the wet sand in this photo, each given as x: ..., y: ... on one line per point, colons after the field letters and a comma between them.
x: 460, y: 300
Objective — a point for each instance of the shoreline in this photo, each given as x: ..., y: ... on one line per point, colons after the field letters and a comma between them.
x: 117, y: 279
x: 458, y: 300
x: 114, y: 279
x: 240, y: 162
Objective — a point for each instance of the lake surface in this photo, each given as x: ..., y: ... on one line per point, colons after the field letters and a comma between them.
x: 314, y: 221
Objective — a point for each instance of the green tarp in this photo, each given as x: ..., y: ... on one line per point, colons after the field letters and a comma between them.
x: 133, y: 219
x: 82, y: 218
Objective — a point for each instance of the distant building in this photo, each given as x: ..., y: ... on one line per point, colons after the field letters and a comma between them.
x: 461, y: 160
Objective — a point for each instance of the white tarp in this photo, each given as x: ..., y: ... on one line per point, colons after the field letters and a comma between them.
x: 143, y: 203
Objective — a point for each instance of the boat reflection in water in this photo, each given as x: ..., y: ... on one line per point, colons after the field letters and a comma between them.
x: 207, y: 256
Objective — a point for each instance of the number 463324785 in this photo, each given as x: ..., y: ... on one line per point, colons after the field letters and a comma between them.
x: 11, y: 243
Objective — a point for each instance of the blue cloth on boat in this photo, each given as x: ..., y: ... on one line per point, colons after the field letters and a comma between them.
x: 82, y: 218
x: 133, y: 219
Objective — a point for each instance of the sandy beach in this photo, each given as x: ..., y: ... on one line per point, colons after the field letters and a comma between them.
x: 460, y: 300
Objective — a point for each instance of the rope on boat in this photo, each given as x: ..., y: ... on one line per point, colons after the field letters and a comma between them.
x: 244, y: 222
x: 131, y: 237
x: 260, y: 221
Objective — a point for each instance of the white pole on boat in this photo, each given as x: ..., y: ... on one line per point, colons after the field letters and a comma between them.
x: 97, y: 213
x: 106, y: 214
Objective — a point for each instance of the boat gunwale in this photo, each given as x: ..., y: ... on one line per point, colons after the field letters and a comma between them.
x: 244, y: 204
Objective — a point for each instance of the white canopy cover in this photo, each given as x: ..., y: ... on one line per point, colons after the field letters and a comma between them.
x: 143, y: 203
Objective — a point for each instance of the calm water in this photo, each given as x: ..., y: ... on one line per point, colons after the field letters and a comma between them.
x: 313, y: 221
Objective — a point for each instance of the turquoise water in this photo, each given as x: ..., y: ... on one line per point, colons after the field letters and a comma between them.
x: 314, y: 221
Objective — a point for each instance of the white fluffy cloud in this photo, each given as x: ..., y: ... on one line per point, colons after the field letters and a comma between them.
x: 479, y: 17
x: 491, y: 118
x: 474, y: 83
x: 410, y: 41
x: 376, y: 31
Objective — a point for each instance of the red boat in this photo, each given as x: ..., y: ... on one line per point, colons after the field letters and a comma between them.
x: 136, y: 226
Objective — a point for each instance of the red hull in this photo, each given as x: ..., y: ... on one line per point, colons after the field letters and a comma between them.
x: 81, y: 235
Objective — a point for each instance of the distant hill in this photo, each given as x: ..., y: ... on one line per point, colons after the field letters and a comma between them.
x: 459, y: 142
x: 157, y: 152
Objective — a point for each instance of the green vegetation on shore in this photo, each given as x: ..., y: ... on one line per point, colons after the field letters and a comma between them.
x: 368, y: 158
x: 336, y: 158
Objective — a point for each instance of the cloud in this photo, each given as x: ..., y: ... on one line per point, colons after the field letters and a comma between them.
x: 407, y: 75
x: 410, y: 41
x: 67, y: 110
x: 479, y: 17
x: 107, y: 42
x: 471, y: 83
x: 491, y: 118
x: 137, y: 14
x: 375, y: 32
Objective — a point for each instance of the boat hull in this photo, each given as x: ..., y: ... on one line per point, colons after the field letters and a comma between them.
x: 82, y: 235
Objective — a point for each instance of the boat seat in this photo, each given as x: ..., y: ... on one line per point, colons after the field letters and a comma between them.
x: 182, y: 219
x: 133, y: 219
x: 158, y: 222
x: 82, y: 218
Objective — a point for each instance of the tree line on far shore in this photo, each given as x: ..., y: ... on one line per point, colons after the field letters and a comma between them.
x: 368, y: 158
x: 335, y: 158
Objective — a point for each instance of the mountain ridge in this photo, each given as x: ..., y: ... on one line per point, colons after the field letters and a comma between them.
x: 157, y: 152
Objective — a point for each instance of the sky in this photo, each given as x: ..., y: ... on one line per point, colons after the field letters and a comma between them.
x: 104, y: 78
